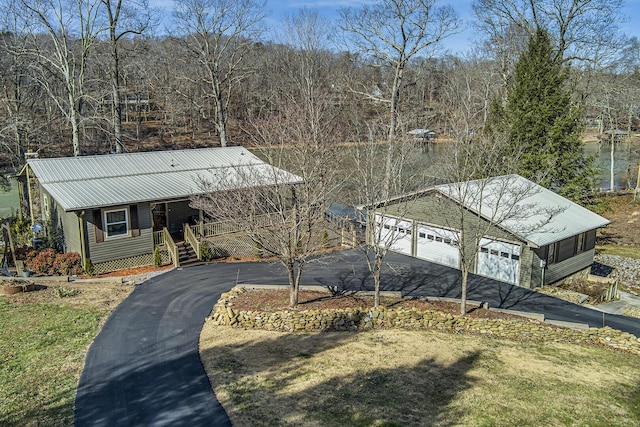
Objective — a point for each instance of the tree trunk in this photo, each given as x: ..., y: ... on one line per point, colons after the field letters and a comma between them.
x: 463, y: 296
x: 294, y: 271
x: 612, y: 183
x: 75, y: 131
x: 221, y: 116
x: 376, y: 282
x: 115, y: 94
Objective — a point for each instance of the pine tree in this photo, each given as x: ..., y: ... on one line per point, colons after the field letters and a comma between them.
x: 543, y: 126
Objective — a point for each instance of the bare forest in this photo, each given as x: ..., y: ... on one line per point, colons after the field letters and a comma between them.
x: 80, y: 77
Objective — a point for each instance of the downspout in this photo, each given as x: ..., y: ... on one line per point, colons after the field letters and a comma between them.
x: 83, y: 249
x: 29, y: 195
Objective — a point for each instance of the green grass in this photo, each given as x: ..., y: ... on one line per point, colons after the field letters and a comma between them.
x: 9, y: 201
x: 416, y: 378
x: 625, y: 251
x: 42, y: 349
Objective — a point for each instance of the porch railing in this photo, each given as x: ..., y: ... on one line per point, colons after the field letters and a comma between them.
x: 158, y: 238
x: 219, y: 228
x: 190, y: 237
x: 171, y: 247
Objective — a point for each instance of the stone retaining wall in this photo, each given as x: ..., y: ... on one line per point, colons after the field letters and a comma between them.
x: 362, y: 319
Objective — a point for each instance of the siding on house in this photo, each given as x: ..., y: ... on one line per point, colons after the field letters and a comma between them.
x: 71, y: 228
x: 433, y: 210
x: 180, y: 213
x: 560, y: 270
x: 121, y: 247
x: 527, y: 262
x: 438, y: 211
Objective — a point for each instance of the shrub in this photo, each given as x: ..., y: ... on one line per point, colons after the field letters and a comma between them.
x: 258, y: 250
x: 67, y: 264
x: 206, y: 254
x: 66, y: 292
x: 325, y: 239
x: 157, y: 259
x: 41, y: 262
x: 88, y: 267
x: 48, y: 262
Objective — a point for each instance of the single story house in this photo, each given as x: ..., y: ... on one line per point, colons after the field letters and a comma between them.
x: 508, y: 227
x: 115, y: 209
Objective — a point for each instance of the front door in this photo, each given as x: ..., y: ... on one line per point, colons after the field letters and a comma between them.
x: 159, y: 212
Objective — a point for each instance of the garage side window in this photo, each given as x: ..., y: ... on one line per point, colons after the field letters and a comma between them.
x: 551, y: 254
x: 580, y: 243
x: 116, y: 223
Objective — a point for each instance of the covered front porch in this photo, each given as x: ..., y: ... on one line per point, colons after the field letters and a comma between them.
x: 189, y: 236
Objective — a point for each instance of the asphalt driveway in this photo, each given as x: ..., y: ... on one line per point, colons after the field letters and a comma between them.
x: 143, y: 369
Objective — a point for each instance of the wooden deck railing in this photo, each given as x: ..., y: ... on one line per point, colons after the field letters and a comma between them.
x: 219, y: 228
x: 190, y: 237
x: 158, y: 238
x: 171, y: 247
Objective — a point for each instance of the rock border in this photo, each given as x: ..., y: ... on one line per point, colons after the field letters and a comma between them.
x: 223, y: 313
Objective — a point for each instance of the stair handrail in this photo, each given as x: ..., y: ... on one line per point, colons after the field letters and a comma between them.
x: 191, y: 239
x: 171, y: 247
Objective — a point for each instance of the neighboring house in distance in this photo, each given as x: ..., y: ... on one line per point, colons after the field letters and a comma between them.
x: 115, y: 209
x: 423, y: 135
x: 528, y: 249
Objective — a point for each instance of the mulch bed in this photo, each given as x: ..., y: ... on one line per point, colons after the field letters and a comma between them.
x: 278, y: 300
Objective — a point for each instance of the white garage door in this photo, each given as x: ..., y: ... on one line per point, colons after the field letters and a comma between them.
x: 395, y: 234
x: 499, y: 260
x: 438, y: 245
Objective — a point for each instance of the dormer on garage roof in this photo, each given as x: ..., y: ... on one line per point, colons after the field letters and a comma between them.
x: 87, y: 182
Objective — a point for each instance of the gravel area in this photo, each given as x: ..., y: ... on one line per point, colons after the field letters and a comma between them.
x: 625, y: 270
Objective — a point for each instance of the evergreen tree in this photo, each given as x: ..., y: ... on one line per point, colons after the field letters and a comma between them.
x: 542, y: 125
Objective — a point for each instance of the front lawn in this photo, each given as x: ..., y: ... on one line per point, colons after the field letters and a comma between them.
x: 416, y: 378
x: 44, y: 337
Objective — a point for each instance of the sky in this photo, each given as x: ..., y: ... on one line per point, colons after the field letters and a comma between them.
x: 277, y: 10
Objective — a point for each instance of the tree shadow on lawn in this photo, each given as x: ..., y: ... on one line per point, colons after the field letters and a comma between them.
x: 280, y: 381
x: 56, y: 410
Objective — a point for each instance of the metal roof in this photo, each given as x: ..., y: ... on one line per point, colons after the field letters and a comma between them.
x: 87, y: 182
x: 524, y: 208
x: 421, y: 132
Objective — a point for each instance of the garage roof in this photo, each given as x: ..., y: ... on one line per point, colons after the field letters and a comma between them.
x: 87, y: 182
x: 524, y: 208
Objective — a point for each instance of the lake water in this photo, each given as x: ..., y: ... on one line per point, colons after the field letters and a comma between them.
x: 626, y: 156
x: 625, y: 162
x: 9, y: 201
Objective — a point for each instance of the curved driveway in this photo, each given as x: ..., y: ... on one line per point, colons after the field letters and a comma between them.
x: 144, y: 369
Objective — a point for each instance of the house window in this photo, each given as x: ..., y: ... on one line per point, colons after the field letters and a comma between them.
x: 45, y: 207
x: 116, y: 223
x: 551, y: 254
x: 580, y: 243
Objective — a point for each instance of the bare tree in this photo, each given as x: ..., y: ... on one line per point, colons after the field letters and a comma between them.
x: 282, y: 214
x: 72, y: 27
x: 478, y: 205
x: 301, y: 137
x: 218, y: 34
x: 371, y: 193
x: 18, y: 93
x: 132, y: 18
x: 391, y: 33
x: 580, y: 29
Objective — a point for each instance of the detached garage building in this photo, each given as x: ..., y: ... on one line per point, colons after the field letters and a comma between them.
x: 511, y: 229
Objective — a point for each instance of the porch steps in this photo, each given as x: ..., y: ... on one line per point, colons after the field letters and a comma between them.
x: 186, y: 254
